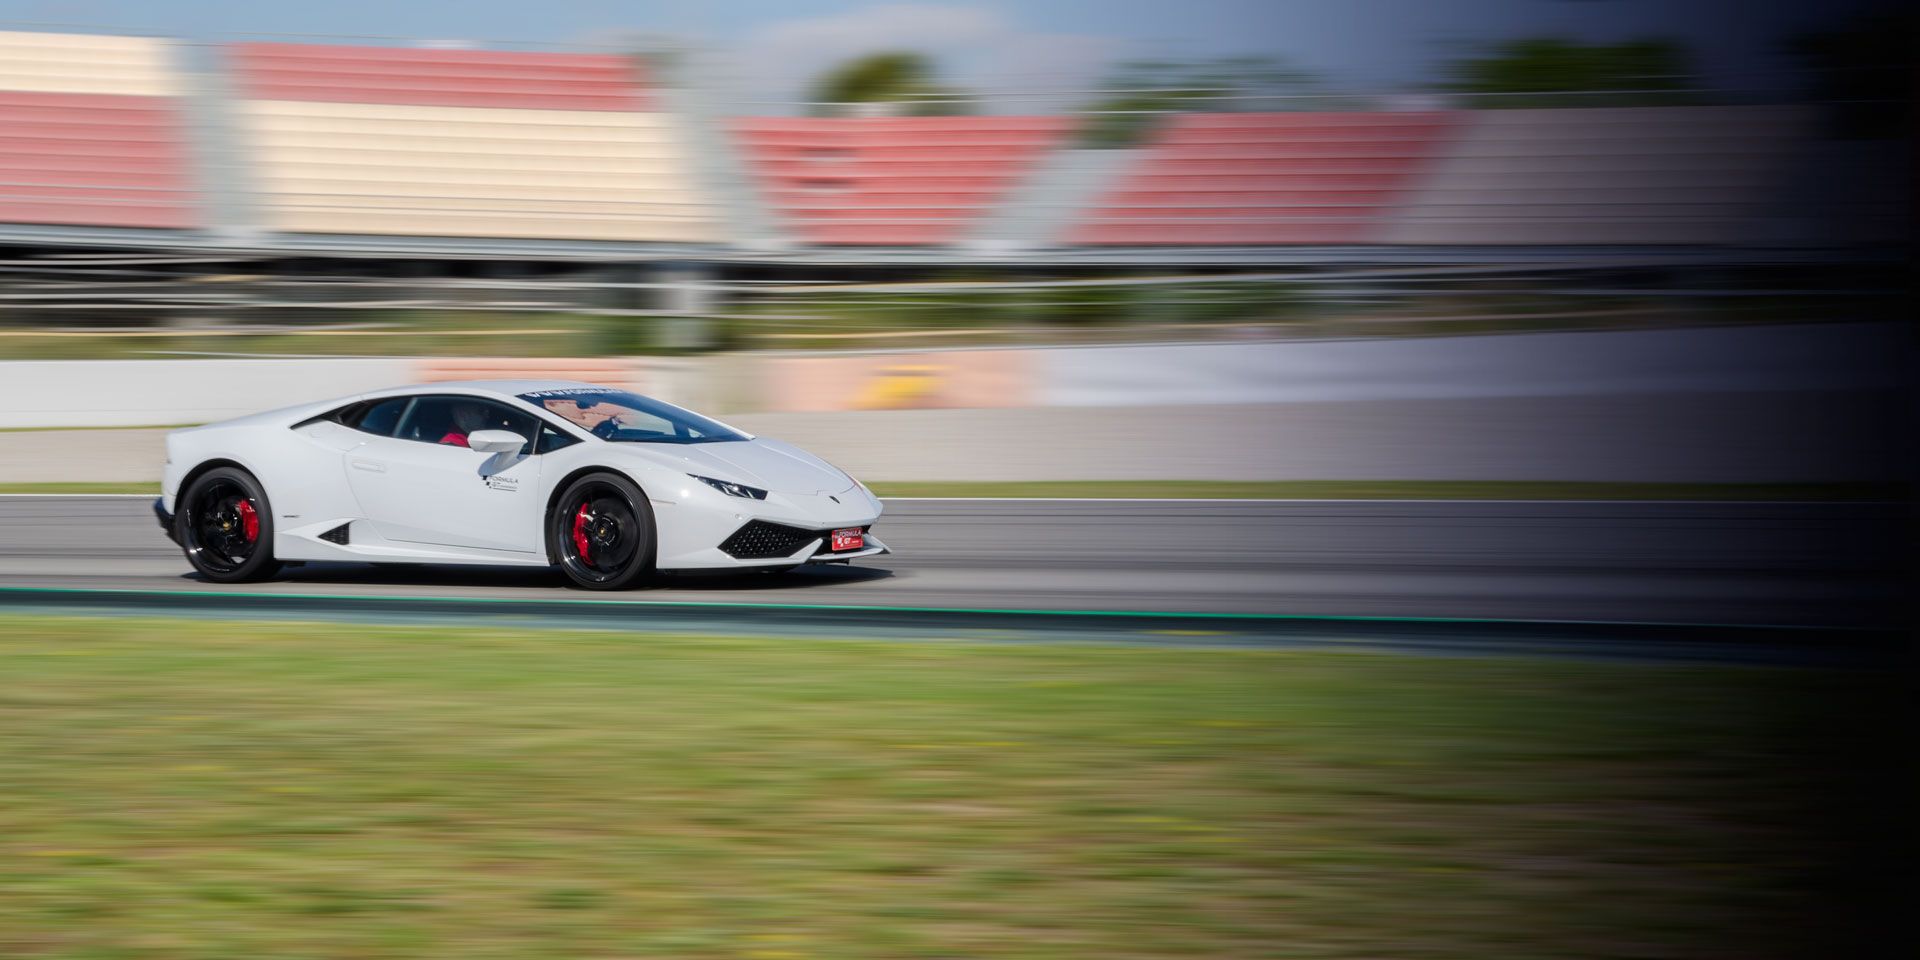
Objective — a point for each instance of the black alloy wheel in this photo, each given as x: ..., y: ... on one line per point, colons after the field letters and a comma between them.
x: 225, y: 526
x: 602, y: 532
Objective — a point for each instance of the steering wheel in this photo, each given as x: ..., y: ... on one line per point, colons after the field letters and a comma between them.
x: 605, y: 429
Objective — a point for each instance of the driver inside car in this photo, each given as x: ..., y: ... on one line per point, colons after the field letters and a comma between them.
x: 467, y: 417
x: 587, y: 413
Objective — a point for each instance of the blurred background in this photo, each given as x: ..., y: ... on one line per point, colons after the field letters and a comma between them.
x: 1324, y: 229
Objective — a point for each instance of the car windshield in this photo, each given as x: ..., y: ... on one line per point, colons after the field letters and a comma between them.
x: 623, y: 417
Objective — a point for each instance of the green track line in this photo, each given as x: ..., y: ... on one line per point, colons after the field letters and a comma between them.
x: 16, y: 591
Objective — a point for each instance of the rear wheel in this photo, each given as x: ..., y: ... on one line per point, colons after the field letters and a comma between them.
x: 225, y: 526
x: 602, y: 532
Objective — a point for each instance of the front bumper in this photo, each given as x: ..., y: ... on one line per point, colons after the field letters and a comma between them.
x: 707, y: 530
x: 763, y: 540
x: 873, y: 548
x: 811, y: 550
x: 166, y: 519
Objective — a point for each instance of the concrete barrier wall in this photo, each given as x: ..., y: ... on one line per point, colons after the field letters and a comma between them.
x: 1620, y: 362
x: 935, y: 380
x: 1826, y: 357
x: 112, y: 393
x: 1780, y: 404
x: 1799, y: 437
x: 1623, y: 363
x: 608, y: 371
x: 104, y: 393
x: 1696, y: 437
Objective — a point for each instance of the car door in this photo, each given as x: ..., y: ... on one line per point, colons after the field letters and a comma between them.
x: 421, y: 484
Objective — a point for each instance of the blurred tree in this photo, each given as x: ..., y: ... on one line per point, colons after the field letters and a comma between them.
x: 1863, y: 71
x: 1632, y: 73
x: 1139, y: 92
x: 899, y: 78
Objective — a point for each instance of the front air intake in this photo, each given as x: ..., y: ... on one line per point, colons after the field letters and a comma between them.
x: 760, y: 540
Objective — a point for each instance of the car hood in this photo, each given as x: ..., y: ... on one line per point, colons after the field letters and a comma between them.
x: 760, y: 462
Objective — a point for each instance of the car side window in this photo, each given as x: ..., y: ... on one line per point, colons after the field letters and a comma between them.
x: 378, y: 417
x: 552, y: 439
x: 447, y: 420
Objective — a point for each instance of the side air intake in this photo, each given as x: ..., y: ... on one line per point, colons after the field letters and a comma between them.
x: 337, y: 534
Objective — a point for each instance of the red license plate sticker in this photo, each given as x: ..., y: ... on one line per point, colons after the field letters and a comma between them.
x: 849, y: 538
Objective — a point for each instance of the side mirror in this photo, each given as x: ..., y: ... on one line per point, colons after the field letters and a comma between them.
x: 496, y: 441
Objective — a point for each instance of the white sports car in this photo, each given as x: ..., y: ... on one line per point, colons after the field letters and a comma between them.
x: 605, y: 483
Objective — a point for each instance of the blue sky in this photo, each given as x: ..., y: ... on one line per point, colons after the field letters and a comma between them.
x: 771, y: 47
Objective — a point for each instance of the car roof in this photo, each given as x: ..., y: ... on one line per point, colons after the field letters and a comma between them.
x: 502, y: 388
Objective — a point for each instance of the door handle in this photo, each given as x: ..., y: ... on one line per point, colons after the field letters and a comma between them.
x: 371, y: 466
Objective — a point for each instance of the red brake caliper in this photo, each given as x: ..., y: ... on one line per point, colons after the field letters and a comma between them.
x: 249, y: 521
x: 580, y: 542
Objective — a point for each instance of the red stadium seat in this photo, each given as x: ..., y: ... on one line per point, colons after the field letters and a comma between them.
x: 443, y: 78
x: 1267, y: 178
x: 891, y: 180
x: 97, y: 160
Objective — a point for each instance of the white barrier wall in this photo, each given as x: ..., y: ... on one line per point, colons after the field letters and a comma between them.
x: 1622, y: 362
x: 1808, y: 357
x: 1701, y: 437
x: 1782, y: 404
x: 108, y: 393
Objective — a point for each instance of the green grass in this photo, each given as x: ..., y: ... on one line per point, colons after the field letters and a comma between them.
x: 382, y: 333
x: 223, y: 789
x: 867, y: 316
x: 143, y: 426
x: 1282, y: 490
x: 81, y: 487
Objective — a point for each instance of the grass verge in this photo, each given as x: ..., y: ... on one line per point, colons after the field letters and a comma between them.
x: 81, y: 487
x: 181, y: 789
x: 1281, y: 490
x: 143, y: 426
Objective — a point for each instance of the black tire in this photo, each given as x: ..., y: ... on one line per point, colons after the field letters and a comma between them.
x: 225, y: 526
x: 601, y: 529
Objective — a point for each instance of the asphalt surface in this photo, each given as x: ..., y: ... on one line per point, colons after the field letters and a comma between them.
x: 1789, y: 564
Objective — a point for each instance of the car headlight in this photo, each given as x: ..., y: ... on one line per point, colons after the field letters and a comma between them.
x: 732, y: 489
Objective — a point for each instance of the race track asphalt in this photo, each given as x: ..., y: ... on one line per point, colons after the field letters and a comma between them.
x: 1790, y: 564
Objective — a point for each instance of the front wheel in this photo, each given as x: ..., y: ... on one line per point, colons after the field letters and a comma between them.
x: 602, y: 532
x: 225, y: 525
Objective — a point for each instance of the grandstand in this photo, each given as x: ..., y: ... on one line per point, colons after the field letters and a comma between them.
x: 1599, y: 175
x: 892, y: 180
x: 1226, y: 179
x: 454, y: 143
x: 91, y: 133
x: 563, y: 155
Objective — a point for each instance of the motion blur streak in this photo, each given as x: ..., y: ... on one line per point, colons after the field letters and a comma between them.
x: 1798, y: 564
x: 1556, y: 356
